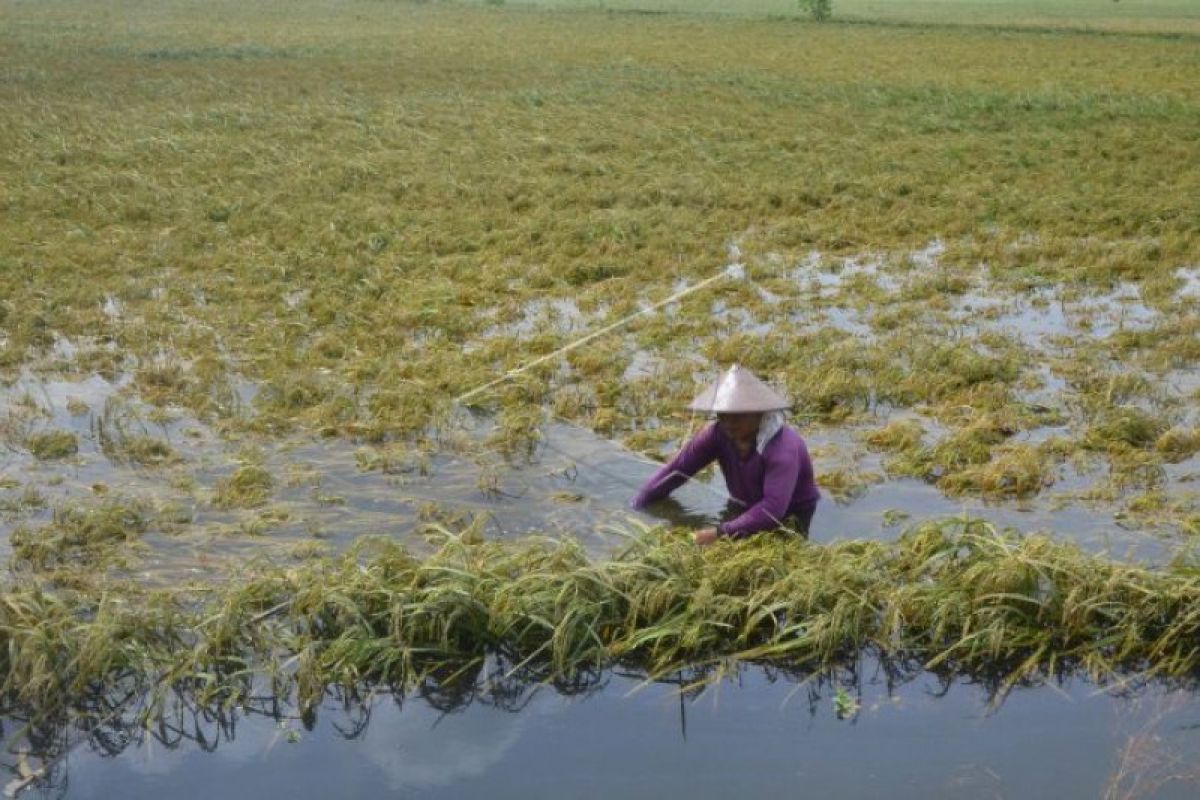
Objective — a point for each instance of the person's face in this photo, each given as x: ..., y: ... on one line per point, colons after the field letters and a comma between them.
x: 739, y: 426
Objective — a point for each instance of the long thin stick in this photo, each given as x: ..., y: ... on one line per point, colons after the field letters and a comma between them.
x: 731, y: 271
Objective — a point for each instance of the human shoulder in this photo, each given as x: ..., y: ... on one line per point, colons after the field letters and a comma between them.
x: 708, y: 439
x: 788, y: 440
x: 711, y: 431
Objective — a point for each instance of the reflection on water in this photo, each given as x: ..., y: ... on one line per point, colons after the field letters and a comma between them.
x: 756, y: 733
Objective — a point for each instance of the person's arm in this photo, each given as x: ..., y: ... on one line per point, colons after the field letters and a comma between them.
x: 779, y: 483
x: 698, y: 453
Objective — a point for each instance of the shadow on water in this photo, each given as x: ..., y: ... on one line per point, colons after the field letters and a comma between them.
x: 869, y: 729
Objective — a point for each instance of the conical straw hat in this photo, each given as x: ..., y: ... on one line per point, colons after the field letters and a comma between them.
x: 738, y: 391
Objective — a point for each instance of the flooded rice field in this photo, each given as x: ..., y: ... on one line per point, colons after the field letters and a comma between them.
x: 335, y: 342
x: 857, y: 730
x: 319, y: 495
x: 107, y: 488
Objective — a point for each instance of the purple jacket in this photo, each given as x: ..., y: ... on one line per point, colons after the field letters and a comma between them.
x: 770, y: 486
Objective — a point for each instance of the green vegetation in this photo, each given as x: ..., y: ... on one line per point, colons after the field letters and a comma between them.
x: 462, y: 221
x: 1178, y: 444
x: 77, y: 536
x: 148, y: 451
x: 970, y: 245
x: 364, y: 293
x: 29, y: 499
x: 1154, y: 17
x: 248, y: 487
x: 123, y: 439
x: 819, y: 10
x: 955, y: 597
x: 52, y: 444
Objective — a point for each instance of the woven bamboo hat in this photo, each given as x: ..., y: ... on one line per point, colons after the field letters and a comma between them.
x: 738, y: 391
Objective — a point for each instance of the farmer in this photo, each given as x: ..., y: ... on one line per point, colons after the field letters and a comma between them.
x: 765, y: 462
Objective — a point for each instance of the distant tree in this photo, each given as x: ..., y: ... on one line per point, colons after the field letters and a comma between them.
x: 820, y: 10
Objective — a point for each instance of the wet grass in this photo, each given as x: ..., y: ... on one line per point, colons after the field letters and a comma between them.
x: 77, y: 536
x: 49, y: 445
x: 123, y: 438
x: 29, y: 499
x: 955, y: 597
x: 248, y: 487
x: 1178, y: 444
x: 604, y: 177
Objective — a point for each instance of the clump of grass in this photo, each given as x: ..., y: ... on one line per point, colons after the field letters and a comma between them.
x: 77, y: 534
x: 954, y: 596
x: 977, y: 458
x: 163, y: 379
x: 50, y: 445
x: 1123, y: 427
x: 248, y: 487
x: 844, y: 485
x: 308, y: 549
x: 398, y: 459
x: 1018, y: 470
x: 518, y: 430
x: 1178, y: 444
x: 898, y: 435
x: 123, y: 438
x: 30, y: 499
x: 148, y: 450
x: 1139, y: 469
x: 937, y: 369
x: 968, y: 446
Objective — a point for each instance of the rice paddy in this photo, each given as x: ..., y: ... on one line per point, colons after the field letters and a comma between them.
x: 263, y: 267
x: 1002, y: 608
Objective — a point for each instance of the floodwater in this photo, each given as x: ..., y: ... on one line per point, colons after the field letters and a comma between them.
x: 755, y: 735
x: 328, y: 493
x: 574, y: 483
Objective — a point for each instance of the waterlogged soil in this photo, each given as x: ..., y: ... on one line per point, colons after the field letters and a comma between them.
x: 755, y: 735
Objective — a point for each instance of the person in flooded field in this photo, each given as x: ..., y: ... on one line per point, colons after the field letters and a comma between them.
x: 765, y: 463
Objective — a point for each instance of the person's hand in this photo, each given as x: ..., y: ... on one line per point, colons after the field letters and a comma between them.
x: 705, y: 536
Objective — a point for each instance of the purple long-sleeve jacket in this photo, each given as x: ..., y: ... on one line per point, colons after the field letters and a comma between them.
x: 769, y: 486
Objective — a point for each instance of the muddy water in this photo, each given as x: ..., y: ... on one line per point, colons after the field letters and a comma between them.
x: 329, y: 492
x: 326, y: 493
x: 749, y: 736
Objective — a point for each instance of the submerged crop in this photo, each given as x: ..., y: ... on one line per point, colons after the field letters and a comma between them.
x: 77, y: 535
x: 248, y: 487
x: 53, y: 444
x: 955, y: 596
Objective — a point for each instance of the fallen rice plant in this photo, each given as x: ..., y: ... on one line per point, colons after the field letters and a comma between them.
x: 954, y: 596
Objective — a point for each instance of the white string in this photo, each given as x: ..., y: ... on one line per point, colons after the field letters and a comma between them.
x: 731, y: 271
